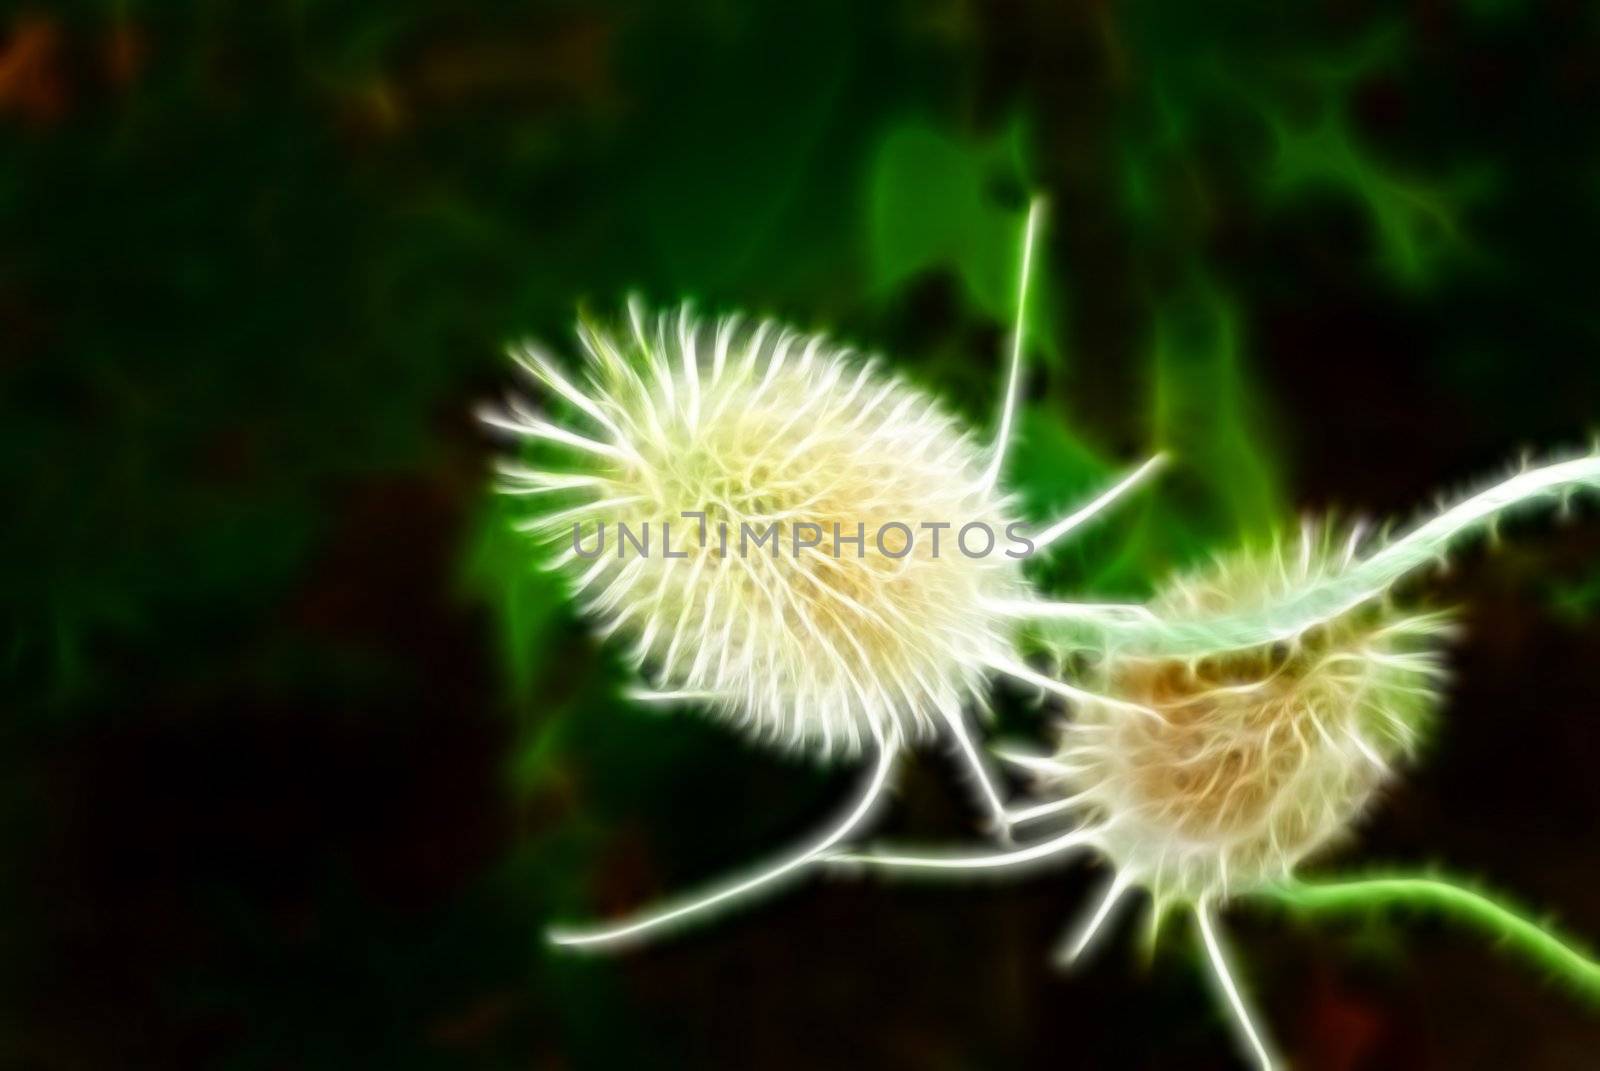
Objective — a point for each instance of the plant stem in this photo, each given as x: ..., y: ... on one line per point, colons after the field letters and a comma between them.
x: 1563, y: 958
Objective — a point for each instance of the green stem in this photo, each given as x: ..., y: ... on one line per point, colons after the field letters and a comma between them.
x: 1563, y: 958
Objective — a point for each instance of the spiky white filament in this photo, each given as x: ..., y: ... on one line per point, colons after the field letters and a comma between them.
x: 1031, y: 763
x: 679, y: 911
x: 1241, y: 765
x: 650, y: 695
x: 1050, y: 808
x: 532, y: 427
x: 755, y: 470
x: 1252, y: 759
x: 1013, y: 668
x: 1077, y: 517
x: 988, y: 789
x: 1219, y: 966
x: 1078, y: 838
x: 1013, y: 388
x: 1332, y: 708
x: 813, y: 651
x: 1115, y: 888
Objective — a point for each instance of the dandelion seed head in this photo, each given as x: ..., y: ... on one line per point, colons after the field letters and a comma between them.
x: 766, y: 430
x: 1256, y: 757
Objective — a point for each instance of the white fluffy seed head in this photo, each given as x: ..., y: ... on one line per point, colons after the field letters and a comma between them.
x: 1252, y: 758
x: 822, y: 647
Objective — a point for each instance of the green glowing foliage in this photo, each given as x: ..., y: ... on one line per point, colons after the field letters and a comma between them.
x: 1286, y: 126
x: 1223, y: 486
x: 362, y: 211
x: 528, y: 605
x: 1053, y: 467
x: 1541, y: 944
x: 771, y: 152
x: 948, y: 207
x: 1205, y: 412
x: 932, y: 207
x: 1576, y: 602
x: 1417, y: 226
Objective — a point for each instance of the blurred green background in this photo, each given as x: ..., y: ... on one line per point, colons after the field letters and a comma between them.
x: 300, y: 753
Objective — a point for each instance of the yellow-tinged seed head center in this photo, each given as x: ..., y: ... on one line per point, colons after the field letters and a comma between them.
x: 1251, y: 759
x: 839, y: 583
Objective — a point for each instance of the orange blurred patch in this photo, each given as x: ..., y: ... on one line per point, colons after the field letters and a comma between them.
x: 31, y: 85
x: 124, y: 55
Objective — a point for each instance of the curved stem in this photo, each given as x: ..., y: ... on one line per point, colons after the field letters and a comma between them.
x: 1070, y: 611
x: 1561, y: 957
x: 1008, y: 403
x: 1076, y: 839
x: 1425, y: 542
x: 888, y: 748
x: 1356, y: 582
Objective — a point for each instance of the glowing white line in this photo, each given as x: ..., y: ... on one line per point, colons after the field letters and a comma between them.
x: 1066, y: 842
x: 1509, y: 493
x: 1114, y: 891
x: 719, y: 355
x: 691, y: 362
x: 1220, y: 965
x: 1357, y: 531
x: 1014, y: 374
x: 557, y: 481
x: 980, y: 769
x: 539, y: 429
x: 647, y: 695
x: 551, y: 521
x: 888, y: 747
x: 1041, y: 810
x: 538, y: 364
x: 1044, y: 764
x: 1366, y: 749
x: 1074, y: 519
x: 1050, y: 684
